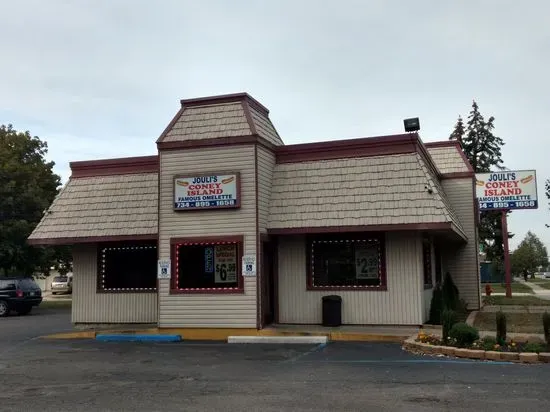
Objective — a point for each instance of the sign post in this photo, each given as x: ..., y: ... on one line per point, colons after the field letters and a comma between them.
x: 504, y: 191
x: 507, y: 268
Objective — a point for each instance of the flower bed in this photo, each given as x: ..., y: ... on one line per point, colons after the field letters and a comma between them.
x: 485, y: 348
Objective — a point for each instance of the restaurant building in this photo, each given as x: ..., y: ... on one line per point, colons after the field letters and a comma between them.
x: 251, y: 231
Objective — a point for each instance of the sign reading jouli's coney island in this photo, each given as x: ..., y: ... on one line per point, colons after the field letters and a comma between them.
x: 207, y: 191
x: 507, y: 190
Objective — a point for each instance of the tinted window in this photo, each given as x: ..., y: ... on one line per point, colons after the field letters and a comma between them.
x: 60, y: 279
x: 27, y: 284
x: 7, y: 284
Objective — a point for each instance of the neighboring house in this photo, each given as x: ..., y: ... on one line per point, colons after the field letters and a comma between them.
x: 375, y: 220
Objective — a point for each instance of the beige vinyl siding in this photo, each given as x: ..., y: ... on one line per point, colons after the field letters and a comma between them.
x: 462, y: 260
x: 266, y: 166
x: 92, y: 307
x: 401, y: 304
x: 208, y: 310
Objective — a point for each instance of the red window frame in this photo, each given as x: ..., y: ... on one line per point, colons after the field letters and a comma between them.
x: 347, y: 237
x: 206, y: 241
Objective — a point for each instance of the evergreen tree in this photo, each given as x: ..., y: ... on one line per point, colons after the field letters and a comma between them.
x: 483, y: 150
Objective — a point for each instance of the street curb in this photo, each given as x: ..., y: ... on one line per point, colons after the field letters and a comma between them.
x: 278, y: 339
x: 137, y: 338
x: 222, y: 334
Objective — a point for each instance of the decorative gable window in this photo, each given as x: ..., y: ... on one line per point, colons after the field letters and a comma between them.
x: 354, y: 262
x: 127, y: 267
x: 207, y: 265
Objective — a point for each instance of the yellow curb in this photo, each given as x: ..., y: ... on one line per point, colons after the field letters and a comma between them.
x: 221, y: 334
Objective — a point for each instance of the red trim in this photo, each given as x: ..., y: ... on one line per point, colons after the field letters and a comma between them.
x: 349, y: 236
x: 118, y: 166
x: 444, y: 143
x: 90, y: 239
x: 237, y: 205
x: 458, y: 175
x: 349, y: 148
x: 217, y: 142
x: 224, y: 98
x: 175, y: 242
x: 170, y: 125
x: 249, y: 119
x: 422, y: 151
x: 465, y: 159
x: 369, y: 228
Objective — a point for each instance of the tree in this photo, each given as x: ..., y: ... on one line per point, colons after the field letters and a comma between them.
x: 531, y: 254
x: 547, y: 187
x: 27, y: 188
x: 483, y: 150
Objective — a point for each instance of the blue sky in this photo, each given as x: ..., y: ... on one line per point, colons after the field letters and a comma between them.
x: 100, y: 79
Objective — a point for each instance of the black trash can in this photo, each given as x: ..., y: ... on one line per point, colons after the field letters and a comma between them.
x: 332, y: 310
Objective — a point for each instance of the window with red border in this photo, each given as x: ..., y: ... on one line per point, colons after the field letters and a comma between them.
x: 209, y: 266
x: 346, y: 262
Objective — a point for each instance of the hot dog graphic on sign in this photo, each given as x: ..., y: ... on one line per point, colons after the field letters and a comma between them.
x: 507, y: 190
x: 213, y: 191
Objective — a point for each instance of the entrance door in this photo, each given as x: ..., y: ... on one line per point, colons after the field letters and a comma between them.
x: 268, y: 284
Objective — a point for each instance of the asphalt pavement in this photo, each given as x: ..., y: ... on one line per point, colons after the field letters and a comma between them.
x: 86, y: 375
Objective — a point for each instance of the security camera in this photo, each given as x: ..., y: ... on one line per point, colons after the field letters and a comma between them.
x: 428, y: 189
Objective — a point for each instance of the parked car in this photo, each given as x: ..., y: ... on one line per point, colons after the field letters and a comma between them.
x: 62, y: 284
x: 20, y: 294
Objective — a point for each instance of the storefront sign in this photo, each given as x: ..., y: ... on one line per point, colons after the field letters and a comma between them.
x: 163, y: 269
x: 206, y: 192
x: 366, y: 262
x: 249, y: 265
x: 225, y: 261
x: 507, y: 190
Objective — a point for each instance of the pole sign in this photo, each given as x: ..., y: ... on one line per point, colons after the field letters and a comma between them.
x: 507, y: 190
x: 212, y: 191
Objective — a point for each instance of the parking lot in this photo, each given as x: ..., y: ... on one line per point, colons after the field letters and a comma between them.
x: 86, y: 375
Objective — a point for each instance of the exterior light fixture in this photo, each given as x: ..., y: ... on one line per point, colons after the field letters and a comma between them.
x: 412, y: 124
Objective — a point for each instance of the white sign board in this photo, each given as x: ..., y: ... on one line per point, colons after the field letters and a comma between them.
x: 225, y: 264
x: 507, y: 190
x: 206, y: 192
x: 249, y: 265
x: 163, y: 269
x: 366, y: 261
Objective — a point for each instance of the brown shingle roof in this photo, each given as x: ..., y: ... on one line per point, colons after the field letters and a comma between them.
x: 369, y: 191
x: 217, y: 117
x: 102, y: 206
x: 448, y: 158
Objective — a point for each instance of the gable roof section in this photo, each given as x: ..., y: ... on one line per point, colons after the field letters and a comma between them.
x: 115, y: 204
x: 449, y: 158
x: 378, y: 191
x: 227, y: 117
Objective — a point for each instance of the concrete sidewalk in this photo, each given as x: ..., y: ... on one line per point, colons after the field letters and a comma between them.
x: 539, y: 292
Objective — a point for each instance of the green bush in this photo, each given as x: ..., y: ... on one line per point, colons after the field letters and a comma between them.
x: 448, y: 320
x: 436, y: 306
x: 488, y: 343
x: 546, y: 325
x: 501, y: 327
x: 533, y: 347
x: 451, y: 299
x: 464, y: 334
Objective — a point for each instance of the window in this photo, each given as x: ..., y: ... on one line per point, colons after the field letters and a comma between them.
x: 427, y: 263
x: 128, y: 267
x: 351, y: 262
x: 207, y: 265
